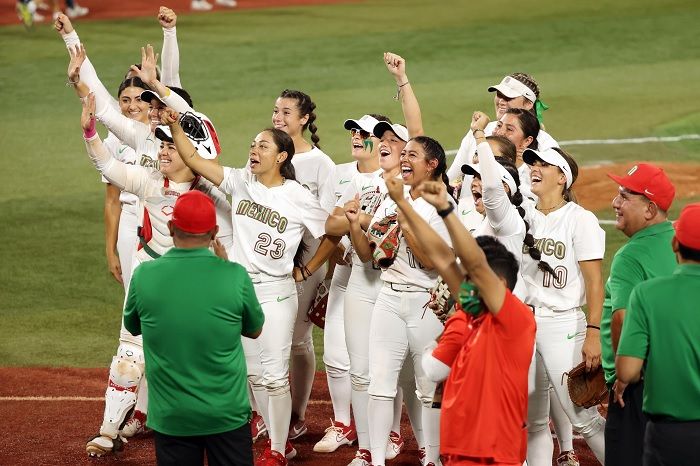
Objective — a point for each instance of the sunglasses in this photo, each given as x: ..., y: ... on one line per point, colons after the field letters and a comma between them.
x: 363, y: 134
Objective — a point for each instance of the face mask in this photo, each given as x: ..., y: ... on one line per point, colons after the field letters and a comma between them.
x: 469, y: 299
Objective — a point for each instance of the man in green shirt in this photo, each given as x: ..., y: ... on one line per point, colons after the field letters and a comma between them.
x: 192, y: 308
x: 662, y: 330
x: 644, y: 195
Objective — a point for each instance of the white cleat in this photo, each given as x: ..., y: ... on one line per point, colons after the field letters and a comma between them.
x: 101, y: 445
x: 336, y: 435
x: 394, y: 445
x: 362, y: 458
x: 227, y: 3
x: 200, y: 5
x: 77, y: 11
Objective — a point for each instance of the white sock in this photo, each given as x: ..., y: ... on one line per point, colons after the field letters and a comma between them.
x: 381, y: 413
x: 251, y: 398
x: 431, y: 434
x: 596, y: 442
x: 562, y: 425
x: 540, y: 448
x: 262, y: 400
x: 303, y: 369
x: 280, y: 413
x: 339, y: 388
x: 360, y: 399
x: 414, y: 408
x: 398, y: 407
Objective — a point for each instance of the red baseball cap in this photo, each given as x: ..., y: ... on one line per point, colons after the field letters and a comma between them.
x: 650, y: 181
x: 194, y: 213
x: 688, y: 226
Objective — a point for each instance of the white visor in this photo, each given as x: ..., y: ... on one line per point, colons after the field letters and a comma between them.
x: 551, y: 157
x: 398, y: 130
x: 473, y: 169
x: 366, y: 123
x: 512, y: 88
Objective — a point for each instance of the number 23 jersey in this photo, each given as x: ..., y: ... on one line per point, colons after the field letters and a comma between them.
x: 565, y: 237
x: 268, y: 223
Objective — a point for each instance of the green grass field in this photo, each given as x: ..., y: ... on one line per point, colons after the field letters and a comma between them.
x: 608, y: 69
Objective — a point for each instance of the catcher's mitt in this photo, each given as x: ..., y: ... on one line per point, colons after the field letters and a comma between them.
x: 586, y: 389
x: 384, y: 239
x: 317, y: 311
x: 441, y: 302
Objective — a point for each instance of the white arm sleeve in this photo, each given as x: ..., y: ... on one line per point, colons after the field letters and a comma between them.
x: 499, y: 210
x: 130, y: 178
x: 170, y: 59
x: 464, y: 155
x: 177, y: 103
x: 88, y: 75
x: 129, y: 131
x: 434, y: 369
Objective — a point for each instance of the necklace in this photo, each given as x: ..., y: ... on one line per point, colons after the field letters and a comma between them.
x: 547, y: 210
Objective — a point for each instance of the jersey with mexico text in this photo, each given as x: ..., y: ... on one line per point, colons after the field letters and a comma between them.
x: 268, y: 223
x: 406, y: 269
x: 565, y: 237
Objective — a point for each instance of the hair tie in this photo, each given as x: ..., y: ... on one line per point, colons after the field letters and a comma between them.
x: 540, y: 107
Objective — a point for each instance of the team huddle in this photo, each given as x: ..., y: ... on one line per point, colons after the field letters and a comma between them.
x: 454, y: 290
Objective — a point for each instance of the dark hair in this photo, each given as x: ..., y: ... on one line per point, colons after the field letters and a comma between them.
x: 434, y: 151
x: 516, y: 199
x: 688, y: 253
x: 134, y: 81
x: 138, y: 65
x: 306, y: 107
x: 528, y: 124
x: 284, y: 143
x: 568, y: 193
x: 380, y: 117
x: 184, y: 94
x: 500, y: 259
x: 529, y: 81
x: 506, y: 149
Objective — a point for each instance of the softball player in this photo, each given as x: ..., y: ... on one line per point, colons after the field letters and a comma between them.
x: 573, y: 243
x: 399, y: 326
x: 294, y: 113
x: 270, y: 214
x: 157, y: 191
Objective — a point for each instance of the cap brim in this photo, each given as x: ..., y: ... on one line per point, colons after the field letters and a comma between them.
x: 381, y: 127
x: 530, y: 156
x: 470, y: 169
x: 505, y: 90
x: 163, y: 133
x: 148, y: 96
x: 351, y: 124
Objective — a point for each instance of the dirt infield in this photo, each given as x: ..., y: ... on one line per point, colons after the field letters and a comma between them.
x: 595, y: 191
x: 101, y: 9
x: 44, y: 421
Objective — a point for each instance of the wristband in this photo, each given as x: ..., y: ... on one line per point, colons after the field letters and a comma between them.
x: 593, y: 326
x: 446, y: 211
x: 398, y: 90
x: 91, y: 131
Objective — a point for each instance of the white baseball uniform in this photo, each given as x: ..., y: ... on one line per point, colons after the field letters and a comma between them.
x: 268, y: 225
x: 400, y: 327
x: 565, y: 237
x: 316, y: 172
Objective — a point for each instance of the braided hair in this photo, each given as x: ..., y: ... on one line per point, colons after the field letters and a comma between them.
x: 434, y: 151
x: 529, y: 81
x: 517, y: 199
x: 306, y: 107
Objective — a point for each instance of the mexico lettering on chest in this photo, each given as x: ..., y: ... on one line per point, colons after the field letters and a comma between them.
x: 262, y: 214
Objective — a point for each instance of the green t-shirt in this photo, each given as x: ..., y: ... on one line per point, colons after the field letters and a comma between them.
x: 647, y: 254
x: 191, y: 308
x: 662, y: 325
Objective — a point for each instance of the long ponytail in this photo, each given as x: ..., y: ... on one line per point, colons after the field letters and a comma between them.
x: 434, y: 151
x: 306, y: 107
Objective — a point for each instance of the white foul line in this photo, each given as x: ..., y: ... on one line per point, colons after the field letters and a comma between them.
x: 95, y: 398
x: 588, y: 142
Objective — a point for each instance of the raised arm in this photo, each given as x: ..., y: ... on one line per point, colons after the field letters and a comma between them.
x: 88, y: 74
x: 170, y: 55
x: 409, y: 103
x: 472, y: 258
x: 464, y: 155
x: 148, y: 75
x: 358, y: 237
x: 209, y: 169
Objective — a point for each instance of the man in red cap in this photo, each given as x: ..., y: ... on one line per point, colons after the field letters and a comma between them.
x: 661, y: 336
x: 192, y: 308
x: 644, y: 196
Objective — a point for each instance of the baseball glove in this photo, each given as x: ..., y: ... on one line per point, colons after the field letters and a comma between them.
x: 586, y: 389
x: 384, y: 239
x: 441, y: 302
x: 317, y: 311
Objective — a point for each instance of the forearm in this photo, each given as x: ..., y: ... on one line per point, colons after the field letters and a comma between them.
x: 628, y: 369
x: 337, y: 225
x: 365, y: 220
x: 324, y: 251
x: 129, y: 131
x: 360, y: 243
x: 466, y: 149
x: 112, y: 212
x: 617, y: 320
x: 170, y: 59
x: 410, y: 107
x: 594, y: 292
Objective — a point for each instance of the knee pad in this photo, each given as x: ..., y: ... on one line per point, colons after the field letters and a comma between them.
x: 125, y: 374
x: 301, y: 348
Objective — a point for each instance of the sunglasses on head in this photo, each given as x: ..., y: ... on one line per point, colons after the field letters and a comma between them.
x: 363, y: 134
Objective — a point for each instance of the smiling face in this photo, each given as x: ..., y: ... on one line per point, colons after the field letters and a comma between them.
x: 264, y: 156
x: 415, y: 168
x: 390, y: 147
x: 132, y: 106
x: 503, y: 103
x: 631, y: 211
x: 546, y: 178
x: 476, y: 194
x: 154, y: 113
x: 509, y: 127
x: 169, y: 159
x: 286, y: 116
x: 363, y: 145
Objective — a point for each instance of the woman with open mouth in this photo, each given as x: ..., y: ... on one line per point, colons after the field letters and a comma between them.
x: 571, y: 241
